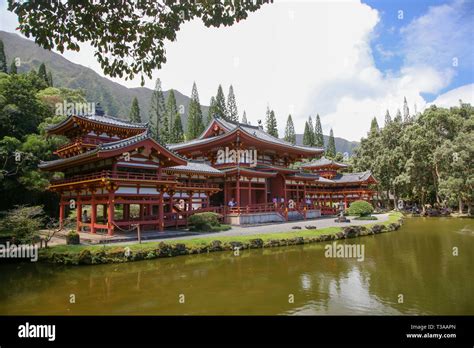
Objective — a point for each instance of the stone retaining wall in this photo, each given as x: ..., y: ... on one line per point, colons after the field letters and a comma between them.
x: 120, y: 254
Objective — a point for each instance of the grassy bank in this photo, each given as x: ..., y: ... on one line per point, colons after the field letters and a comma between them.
x: 99, y: 254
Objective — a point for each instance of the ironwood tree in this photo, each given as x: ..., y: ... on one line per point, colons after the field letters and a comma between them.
x: 135, y: 112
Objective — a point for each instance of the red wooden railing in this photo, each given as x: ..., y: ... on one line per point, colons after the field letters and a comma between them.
x: 197, y: 185
x: 253, y: 208
x: 114, y: 175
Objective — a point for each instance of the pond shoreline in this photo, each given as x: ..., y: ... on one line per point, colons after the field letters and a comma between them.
x: 95, y: 255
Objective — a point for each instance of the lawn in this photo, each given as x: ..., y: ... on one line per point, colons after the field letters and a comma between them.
x: 205, y: 241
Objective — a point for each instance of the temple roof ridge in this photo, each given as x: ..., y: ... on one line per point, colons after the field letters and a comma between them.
x: 103, y: 119
x: 323, y: 161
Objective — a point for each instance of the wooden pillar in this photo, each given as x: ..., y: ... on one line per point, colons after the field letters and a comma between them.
x: 238, y: 191
x: 93, y: 214
x: 250, y: 191
x: 345, y: 201
x: 297, y: 193
x: 226, y: 198
x: 126, y: 211
x: 266, y: 191
x: 61, y: 213
x: 161, y: 212
x: 78, y: 213
x: 304, y: 193
x: 190, y: 200
x: 110, y: 214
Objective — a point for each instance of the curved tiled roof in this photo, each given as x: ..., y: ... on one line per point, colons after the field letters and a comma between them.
x: 102, y: 119
x: 323, y: 162
x: 352, y: 177
x: 195, y: 166
x: 114, y: 145
x: 254, y: 131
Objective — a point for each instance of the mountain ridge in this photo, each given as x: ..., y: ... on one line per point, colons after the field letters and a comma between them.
x: 115, y: 98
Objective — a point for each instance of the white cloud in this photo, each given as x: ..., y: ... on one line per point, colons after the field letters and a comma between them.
x: 312, y: 57
x: 451, y: 98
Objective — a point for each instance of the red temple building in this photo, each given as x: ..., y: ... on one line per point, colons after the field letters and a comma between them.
x: 115, y: 170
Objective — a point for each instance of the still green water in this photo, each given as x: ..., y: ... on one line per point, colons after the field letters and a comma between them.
x: 416, y: 261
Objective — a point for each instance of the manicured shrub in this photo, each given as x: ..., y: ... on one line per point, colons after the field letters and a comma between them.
x: 360, y: 208
x: 204, y: 221
x: 23, y: 223
x: 72, y: 238
x: 367, y: 217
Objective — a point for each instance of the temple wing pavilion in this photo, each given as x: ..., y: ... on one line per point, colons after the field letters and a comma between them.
x: 115, y: 175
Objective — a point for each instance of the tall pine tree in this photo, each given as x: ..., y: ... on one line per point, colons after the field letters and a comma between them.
x: 42, y: 73
x: 388, y: 118
x: 157, y: 109
x: 220, y: 103
x: 398, y: 117
x: 318, y: 133
x: 374, y: 126
x: 212, y: 112
x: 290, y: 135
x: 232, y: 113
x: 311, y: 131
x: 135, y: 112
x: 244, y: 118
x: 331, y: 149
x: 178, y: 129
x: 307, y: 138
x: 271, y: 123
x: 171, y: 112
x: 3, y: 59
x: 406, y: 111
x: 195, y: 123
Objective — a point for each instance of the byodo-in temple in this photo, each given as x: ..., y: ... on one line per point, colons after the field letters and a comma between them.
x: 117, y: 175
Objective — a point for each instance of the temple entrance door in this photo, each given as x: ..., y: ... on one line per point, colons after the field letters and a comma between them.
x: 276, y: 187
x: 217, y: 199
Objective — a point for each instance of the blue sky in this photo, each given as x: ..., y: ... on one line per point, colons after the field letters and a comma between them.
x: 346, y: 60
x: 453, y: 36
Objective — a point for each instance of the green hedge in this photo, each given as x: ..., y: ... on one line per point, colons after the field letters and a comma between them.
x: 73, y: 238
x: 206, y: 222
x: 360, y: 208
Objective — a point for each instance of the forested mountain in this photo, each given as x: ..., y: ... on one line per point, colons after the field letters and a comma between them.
x: 115, y: 98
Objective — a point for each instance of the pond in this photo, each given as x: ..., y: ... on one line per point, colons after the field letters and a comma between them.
x: 409, y: 271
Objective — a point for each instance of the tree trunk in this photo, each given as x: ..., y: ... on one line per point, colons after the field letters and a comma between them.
x: 461, y: 205
x: 422, y: 198
x: 436, y: 182
x: 388, y: 199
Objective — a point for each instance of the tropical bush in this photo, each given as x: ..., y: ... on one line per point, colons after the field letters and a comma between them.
x: 368, y: 217
x: 360, y: 208
x: 206, y: 222
x: 73, y: 238
x: 23, y: 223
